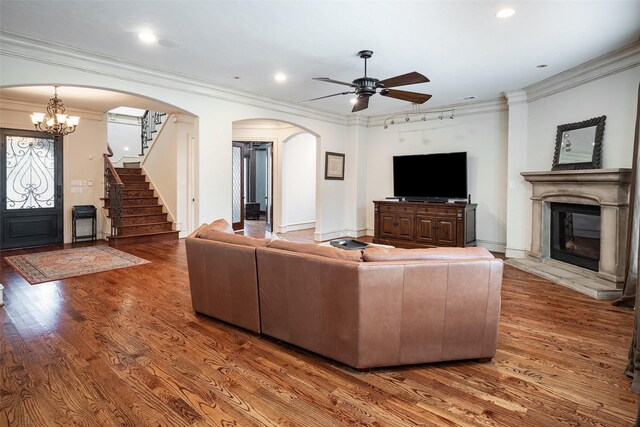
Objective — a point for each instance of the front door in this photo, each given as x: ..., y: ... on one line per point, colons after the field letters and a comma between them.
x: 30, y: 189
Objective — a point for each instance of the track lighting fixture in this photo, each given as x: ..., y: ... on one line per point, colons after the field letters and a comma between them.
x: 424, y: 116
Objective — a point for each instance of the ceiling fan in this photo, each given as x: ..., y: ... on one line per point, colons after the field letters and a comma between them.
x: 365, y: 86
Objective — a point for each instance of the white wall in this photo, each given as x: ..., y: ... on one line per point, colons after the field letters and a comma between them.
x: 24, y: 62
x: 299, y: 182
x: 124, y: 139
x: 166, y: 166
x: 614, y: 96
x: 29, y: 63
x: 483, y: 135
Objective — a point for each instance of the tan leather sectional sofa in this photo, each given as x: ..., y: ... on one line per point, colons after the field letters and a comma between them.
x: 380, y: 307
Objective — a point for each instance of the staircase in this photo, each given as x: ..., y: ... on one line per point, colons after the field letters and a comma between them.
x: 141, y: 217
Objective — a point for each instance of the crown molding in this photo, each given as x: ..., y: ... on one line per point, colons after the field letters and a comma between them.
x: 614, y: 62
x: 266, y: 124
x: 516, y: 97
x: 64, y: 56
x: 461, y: 110
x: 354, y: 120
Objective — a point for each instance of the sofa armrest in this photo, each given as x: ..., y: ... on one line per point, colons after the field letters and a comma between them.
x: 224, y: 281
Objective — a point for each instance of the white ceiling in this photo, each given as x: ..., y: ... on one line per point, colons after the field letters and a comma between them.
x: 460, y: 45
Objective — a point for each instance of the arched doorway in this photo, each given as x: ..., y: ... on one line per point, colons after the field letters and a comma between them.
x: 291, y: 153
x: 83, y: 150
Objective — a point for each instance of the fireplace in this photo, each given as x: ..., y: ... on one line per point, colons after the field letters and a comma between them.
x: 575, y: 234
x: 579, y: 225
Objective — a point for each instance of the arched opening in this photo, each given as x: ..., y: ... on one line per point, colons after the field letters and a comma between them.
x: 290, y: 193
x: 82, y: 150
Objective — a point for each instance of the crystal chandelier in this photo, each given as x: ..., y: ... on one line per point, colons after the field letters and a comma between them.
x: 55, y: 121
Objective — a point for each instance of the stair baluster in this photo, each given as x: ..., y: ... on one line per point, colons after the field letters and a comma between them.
x: 150, y: 120
x: 113, y: 192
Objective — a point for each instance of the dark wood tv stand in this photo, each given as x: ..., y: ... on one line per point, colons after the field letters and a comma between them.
x: 424, y: 224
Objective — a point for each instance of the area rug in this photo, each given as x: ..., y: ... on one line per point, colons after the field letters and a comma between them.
x: 55, y: 265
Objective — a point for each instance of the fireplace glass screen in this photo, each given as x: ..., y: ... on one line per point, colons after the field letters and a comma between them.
x: 575, y: 234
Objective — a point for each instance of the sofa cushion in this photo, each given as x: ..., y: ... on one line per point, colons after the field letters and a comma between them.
x: 236, y: 239
x: 220, y: 225
x: 377, y: 253
x: 313, y: 249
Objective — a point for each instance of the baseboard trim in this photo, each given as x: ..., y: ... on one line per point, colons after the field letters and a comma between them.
x: 356, y: 233
x: 491, y: 246
x: 296, y: 226
x: 515, y: 253
x: 321, y: 237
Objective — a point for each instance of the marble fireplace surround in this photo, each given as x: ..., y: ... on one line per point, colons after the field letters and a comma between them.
x: 607, y: 188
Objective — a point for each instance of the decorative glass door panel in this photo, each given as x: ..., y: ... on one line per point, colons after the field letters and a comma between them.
x: 30, y: 189
x: 269, y: 197
x: 30, y: 173
x: 237, y: 186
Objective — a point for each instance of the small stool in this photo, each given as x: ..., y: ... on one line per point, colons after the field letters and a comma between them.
x: 83, y: 212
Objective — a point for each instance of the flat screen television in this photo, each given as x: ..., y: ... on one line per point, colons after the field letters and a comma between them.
x: 435, y: 177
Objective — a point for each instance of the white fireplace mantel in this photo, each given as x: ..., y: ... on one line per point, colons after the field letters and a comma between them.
x: 607, y: 188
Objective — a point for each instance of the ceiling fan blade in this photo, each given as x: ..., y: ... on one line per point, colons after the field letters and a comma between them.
x: 327, y: 96
x: 327, y: 79
x: 403, y: 80
x: 416, y: 98
x: 361, y: 104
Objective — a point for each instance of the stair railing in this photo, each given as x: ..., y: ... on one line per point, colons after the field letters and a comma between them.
x: 148, y: 124
x: 113, y: 192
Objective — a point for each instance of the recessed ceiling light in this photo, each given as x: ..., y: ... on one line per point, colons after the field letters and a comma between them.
x: 353, y: 100
x: 168, y: 43
x: 280, y: 77
x: 542, y: 66
x: 505, y: 13
x: 147, y: 37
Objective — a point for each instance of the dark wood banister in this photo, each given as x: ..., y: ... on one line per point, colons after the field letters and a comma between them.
x: 112, y: 170
x: 113, y: 193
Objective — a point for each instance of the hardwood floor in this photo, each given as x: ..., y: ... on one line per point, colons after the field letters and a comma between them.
x: 125, y: 348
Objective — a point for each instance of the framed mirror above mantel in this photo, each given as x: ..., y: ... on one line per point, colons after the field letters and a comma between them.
x: 579, y: 145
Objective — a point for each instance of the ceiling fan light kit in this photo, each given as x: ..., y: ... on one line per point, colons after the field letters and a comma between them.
x: 365, y: 87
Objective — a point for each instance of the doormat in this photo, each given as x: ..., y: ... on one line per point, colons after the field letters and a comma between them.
x: 55, y: 265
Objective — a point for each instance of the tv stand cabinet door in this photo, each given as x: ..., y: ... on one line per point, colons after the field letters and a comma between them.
x: 405, y: 224
x: 446, y: 231
x: 387, y: 225
x: 424, y: 230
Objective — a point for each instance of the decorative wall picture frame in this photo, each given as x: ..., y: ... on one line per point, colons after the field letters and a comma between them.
x: 579, y: 145
x: 333, y: 166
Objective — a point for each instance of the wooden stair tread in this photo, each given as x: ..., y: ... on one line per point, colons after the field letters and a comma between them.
x: 151, y: 233
x: 145, y: 223
x: 140, y: 212
x: 140, y: 215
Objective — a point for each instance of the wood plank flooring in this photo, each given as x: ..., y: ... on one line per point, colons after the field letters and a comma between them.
x: 124, y: 347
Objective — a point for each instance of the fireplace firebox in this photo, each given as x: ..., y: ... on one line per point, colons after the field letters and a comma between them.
x: 575, y: 234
